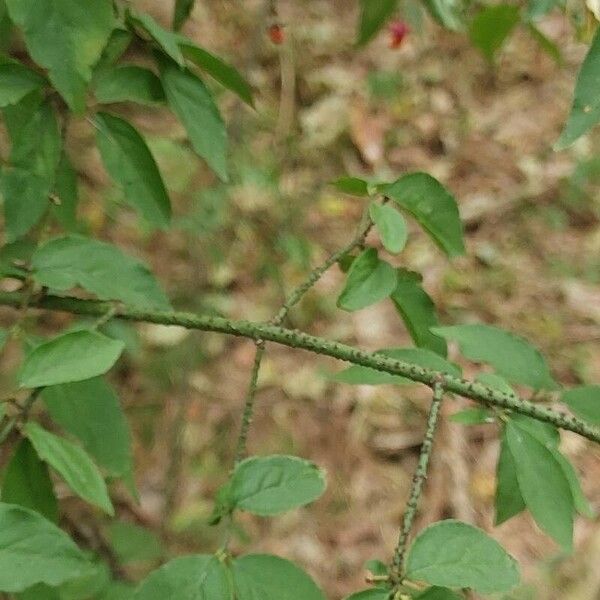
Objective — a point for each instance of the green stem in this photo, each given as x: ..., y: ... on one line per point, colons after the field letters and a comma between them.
x: 397, y: 567
x: 298, y: 339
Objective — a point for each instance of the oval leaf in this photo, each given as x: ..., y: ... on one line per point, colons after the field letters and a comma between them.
x: 167, y: 40
x: 352, y: 185
x: 196, y: 577
x: 71, y: 357
x: 509, y: 500
x: 272, y: 578
x: 373, y: 16
x: 16, y: 81
x: 391, y: 226
x: 584, y: 401
x: 73, y: 464
x: 369, y: 280
x: 129, y: 83
x: 455, y: 554
x: 492, y: 26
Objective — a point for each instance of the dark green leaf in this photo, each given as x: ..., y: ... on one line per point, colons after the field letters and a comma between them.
x: 16, y: 81
x: 117, y: 45
x: 584, y: 401
x: 447, y: 13
x: 391, y: 226
x: 66, y: 37
x: 90, y: 411
x: 417, y: 311
x: 492, y: 26
x: 33, y: 550
x: 272, y: 578
x: 73, y: 465
x: 182, y: 11
x: 198, y: 577
x: 129, y: 83
x: 352, y: 185
x: 369, y: 280
x: 357, y: 375
x: 14, y: 257
x: 270, y: 485
x: 99, y: 268
x: 509, y: 501
x: 167, y: 40
x: 473, y: 416
x: 511, y: 356
x: 433, y: 207
x: 192, y: 102
x: 373, y: 16
x: 455, y: 554
x: 543, y: 484
x: 70, y: 357
x: 133, y: 543
x: 66, y: 194
x: 27, y: 482
x: 130, y: 164
x: 223, y: 72
x: 546, y: 44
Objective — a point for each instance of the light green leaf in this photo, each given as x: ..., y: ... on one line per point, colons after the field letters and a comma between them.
x: 270, y: 485
x: 16, y: 81
x: 455, y: 554
x: 582, y: 506
x: 133, y: 543
x: 584, y: 401
x: 509, y: 500
x: 66, y: 37
x: 543, y: 484
x: 536, y: 9
x: 447, y: 13
x: 33, y: 551
x: 197, y: 577
x: 99, y: 268
x: 89, y: 586
x: 373, y: 16
x: 272, y: 578
x: 492, y: 26
x: 66, y: 194
x: 544, y: 433
x: 128, y: 83
x: 372, y: 594
x: 130, y: 164
x: 90, y: 411
x: 369, y: 280
x: 182, y: 11
x: 417, y: 311
x: 193, y: 103
x: 352, y: 185
x: 439, y: 593
x: 432, y: 206
x: 473, y: 416
x: 223, y: 72
x: 70, y: 357
x: 391, y: 226
x: 357, y: 375
x: 73, y: 465
x: 496, y: 382
x: 27, y: 482
x: 167, y: 40
x: 511, y: 356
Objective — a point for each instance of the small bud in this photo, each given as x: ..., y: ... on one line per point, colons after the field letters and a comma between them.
x: 276, y: 34
x: 398, y: 31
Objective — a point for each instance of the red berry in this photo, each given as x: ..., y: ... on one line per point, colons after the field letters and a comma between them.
x: 398, y: 31
x: 276, y: 34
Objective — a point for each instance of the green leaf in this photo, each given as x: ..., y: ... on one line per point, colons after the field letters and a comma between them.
x: 454, y: 554
x: 447, y: 13
x: 544, y: 433
x: 133, y: 543
x: 129, y: 83
x: 369, y: 280
x: 439, y: 593
x: 495, y: 382
x: 167, y: 40
x: 357, y: 375
x: 90, y: 411
x: 417, y: 311
x: 473, y: 416
x: 182, y: 11
x: 99, y: 268
x: 543, y: 484
x: 193, y: 103
x: 491, y: 26
x: 584, y: 401
x: 546, y: 44
x: 27, y: 482
x: 371, y: 594
x: 224, y: 73
x: 511, y: 356
x: 28, y: 183
x: 509, y: 500
x: 130, y: 164
x: 271, y: 485
x: 197, y: 577
x: 70, y: 357
x: 432, y: 206
x: 272, y: 578
x: 14, y: 256
x: 117, y: 45
x: 391, y: 226
x: 352, y: 185
x: 536, y: 9
x: 33, y: 550
x: 73, y: 465
x: 67, y: 38
x: 66, y: 194
x: 373, y: 16
x: 16, y: 81
x: 582, y: 506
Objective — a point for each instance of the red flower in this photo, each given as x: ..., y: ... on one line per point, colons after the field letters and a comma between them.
x: 276, y: 34
x: 398, y: 31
